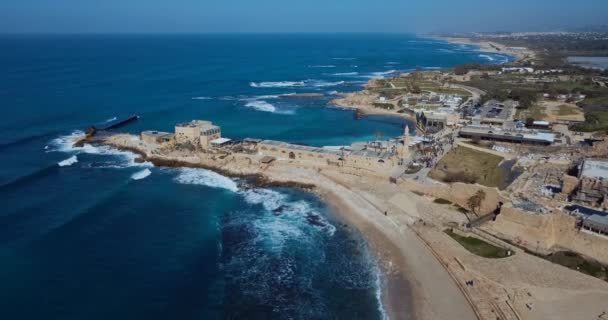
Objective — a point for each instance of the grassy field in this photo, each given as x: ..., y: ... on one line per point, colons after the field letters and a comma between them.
x: 479, y: 247
x: 566, y: 110
x: 575, y: 261
x: 596, y: 114
x: 470, y: 166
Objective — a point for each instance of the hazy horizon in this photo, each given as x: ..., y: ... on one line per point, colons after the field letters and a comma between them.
x: 314, y: 16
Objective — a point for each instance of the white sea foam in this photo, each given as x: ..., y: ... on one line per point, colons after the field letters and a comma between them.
x: 66, y: 144
x: 111, y: 119
x: 205, y: 178
x: 68, y: 162
x: 334, y: 92
x: 311, y: 83
x: 384, y: 73
x: 261, y: 106
x: 277, y: 84
x: 321, y: 83
x: 296, y: 211
x: 141, y: 174
x: 264, y: 106
x: 485, y: 56
x: 322, y: 66
x: 201, y: 98
x: 346, y: 74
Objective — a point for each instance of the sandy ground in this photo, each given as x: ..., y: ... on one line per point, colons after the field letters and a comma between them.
x: 425, y: 269
x: 363, y: 101
x: 552, y: 112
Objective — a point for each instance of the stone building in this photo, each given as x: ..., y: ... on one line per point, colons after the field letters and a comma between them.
x: 593, y: 183
x: 197, y: 132
x: 156, y: 137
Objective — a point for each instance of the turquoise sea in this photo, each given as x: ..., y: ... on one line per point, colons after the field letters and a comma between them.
x: 86, y: 233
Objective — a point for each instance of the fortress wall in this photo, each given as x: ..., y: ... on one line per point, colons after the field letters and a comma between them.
x: 547, y: 233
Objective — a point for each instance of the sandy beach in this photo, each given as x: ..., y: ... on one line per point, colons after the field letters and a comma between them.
x: 493, y: 47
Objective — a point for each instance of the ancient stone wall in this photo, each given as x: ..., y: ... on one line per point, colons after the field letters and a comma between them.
x: 547, y: 233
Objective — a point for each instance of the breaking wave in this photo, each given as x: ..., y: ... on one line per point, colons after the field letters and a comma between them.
x: 296, y: 84
x: 487, y: 57
x: 66, y: 144
x: 141, y: 174
x: 201, y: 98
x: 281, y: 206
x: 346, y: 74
x: 261, y: 105
x: 111, y: 119
x: 277, y: 84
x: 322, y: 66
x: 68, y: 162
x: 205, y: 177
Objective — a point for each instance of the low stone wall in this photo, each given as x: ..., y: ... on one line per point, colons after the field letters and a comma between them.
x: 547, y: 233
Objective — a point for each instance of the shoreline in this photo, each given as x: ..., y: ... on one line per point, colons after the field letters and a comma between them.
x: 416, y: 285
x: 486, y: 46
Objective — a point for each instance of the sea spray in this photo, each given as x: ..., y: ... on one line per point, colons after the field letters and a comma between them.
x: 205, y: 178
x: 68, y: 162
x: 141, y: 174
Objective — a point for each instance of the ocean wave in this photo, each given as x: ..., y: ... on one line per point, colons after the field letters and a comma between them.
x: 384, y: 73
x: 207, y: 178
x: 322, y: 83
x: 280, y: 205
x: 311, y: 83
x: 345, y: 74
x: 68, y: 162
x: 66, y: 144
x: 111, y: 119
x: 141, y: 174
x: 201, y: 98
x: 277, y: 84
x: 322, y: 66
x: 264, y: 106
x: 261, y: 106
x: 446, y: 50
x: 347, y: 59
x: 487, y: 57
x: 392, y: 63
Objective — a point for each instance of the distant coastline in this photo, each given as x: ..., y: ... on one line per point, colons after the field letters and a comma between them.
x: 519, y: 54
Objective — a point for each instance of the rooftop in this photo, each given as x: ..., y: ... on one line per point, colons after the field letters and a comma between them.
x: 156, y: 134
x: 597, y: 169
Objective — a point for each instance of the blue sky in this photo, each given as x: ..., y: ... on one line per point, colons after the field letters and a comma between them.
x: 176, y: 16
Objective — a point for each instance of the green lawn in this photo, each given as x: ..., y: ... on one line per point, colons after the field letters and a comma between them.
x: 577, y: 262
x: 470, y: 166
x: 479, y: 247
